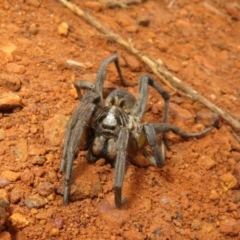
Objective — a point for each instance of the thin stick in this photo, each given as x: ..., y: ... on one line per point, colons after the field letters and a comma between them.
x: 167, y: 77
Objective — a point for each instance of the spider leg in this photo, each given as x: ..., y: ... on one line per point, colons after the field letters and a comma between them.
x: 74, y: 134
x: 120, y: 165
x: 82, y: 84
x: 141, y: 103
x: 101, y: 75
x: 159, y: 155
x: 164, y: 127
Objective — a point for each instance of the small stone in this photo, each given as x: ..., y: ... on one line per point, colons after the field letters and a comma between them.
x: 38, y: 160
x: 213, y: 195
x: 43, y: 221
x: 36, y: 150
x: 34, y: 211
x: 59, y: 222
x: 85, y: 182
x: 162, y: 46
x: 207, y: 228
x: 9, y: 101
x: 54, y: 232
x: 10, y: 81
x: 235, y: 155
x: 4, y: 204
x: 21, y: 150
x: 206, y: 117
x: 228, y: 181
x: 27, y: 177
x: 35, y: 201
x: 11, y: 176
x: 95, y: 6
x: 227, y: 225
x: 51, y: 197
x: 18, y: 220
x: 236, y: 196
x: 196, y: 224
x: 4, y: 182
x: 15, y: 195
x: 45, y: 188
x: 54, y: 129
x: 63, y: 29
x: 34, y: 3
x: 15, y: 68
x: 143, y: 21
x: 3, y: 198
x: 207, y: 162
x: 180, y: 113
x: 133, y: 63
x: 233, y: 10
x: 33, y: 29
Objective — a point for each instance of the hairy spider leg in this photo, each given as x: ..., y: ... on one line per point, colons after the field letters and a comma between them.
x: 120, y: 165
x: 101, y: 75
x: 163, y: 127
x: 153, y: 143
x: 74, y: 134
x: 82, y: 84
x: 140, y: 106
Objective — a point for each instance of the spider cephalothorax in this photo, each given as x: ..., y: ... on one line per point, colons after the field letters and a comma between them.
x: 111, y: 128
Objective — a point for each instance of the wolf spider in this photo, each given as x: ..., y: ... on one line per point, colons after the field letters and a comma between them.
x: 111, y: 128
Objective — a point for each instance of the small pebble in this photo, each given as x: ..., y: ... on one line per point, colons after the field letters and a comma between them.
x: 18, y: 220
x: 11, y: 176
x: 63, y: 29
x: 35, y: 201
x: 228, y: 181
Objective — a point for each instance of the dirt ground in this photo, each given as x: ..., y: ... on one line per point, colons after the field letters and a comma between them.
x: 195, y: 195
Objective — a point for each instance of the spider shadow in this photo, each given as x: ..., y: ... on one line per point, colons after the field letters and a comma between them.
x: 142, y: 182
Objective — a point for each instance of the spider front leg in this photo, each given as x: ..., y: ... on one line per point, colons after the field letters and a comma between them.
x: 120, y: 165
x: 101, y: 75
x: 75, y: 133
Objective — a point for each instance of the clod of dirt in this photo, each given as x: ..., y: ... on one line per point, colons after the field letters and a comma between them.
x: 228, y: 181
x: 11, y: 176
x: 180, y: 113
x: 35, y: 201
x: 5, y: 236
x: 15, y: 68
x: 54, y: 129
x: 34, y: 3
x: 229, y: 226
x: 4, y: 204
x: 10, y: 81
x: 21, y: 150
x: 111, y: 215
x: 207, y: 162
x: 45, y: 188
x: 18, y: 220
x: 9, y: 101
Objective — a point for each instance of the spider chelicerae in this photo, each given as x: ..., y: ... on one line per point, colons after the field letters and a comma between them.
x: 111, y: 128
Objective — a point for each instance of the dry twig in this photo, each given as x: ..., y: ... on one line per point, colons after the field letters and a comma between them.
x: 167, y: 77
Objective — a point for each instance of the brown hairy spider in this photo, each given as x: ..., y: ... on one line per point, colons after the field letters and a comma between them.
x: 111, y: 128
